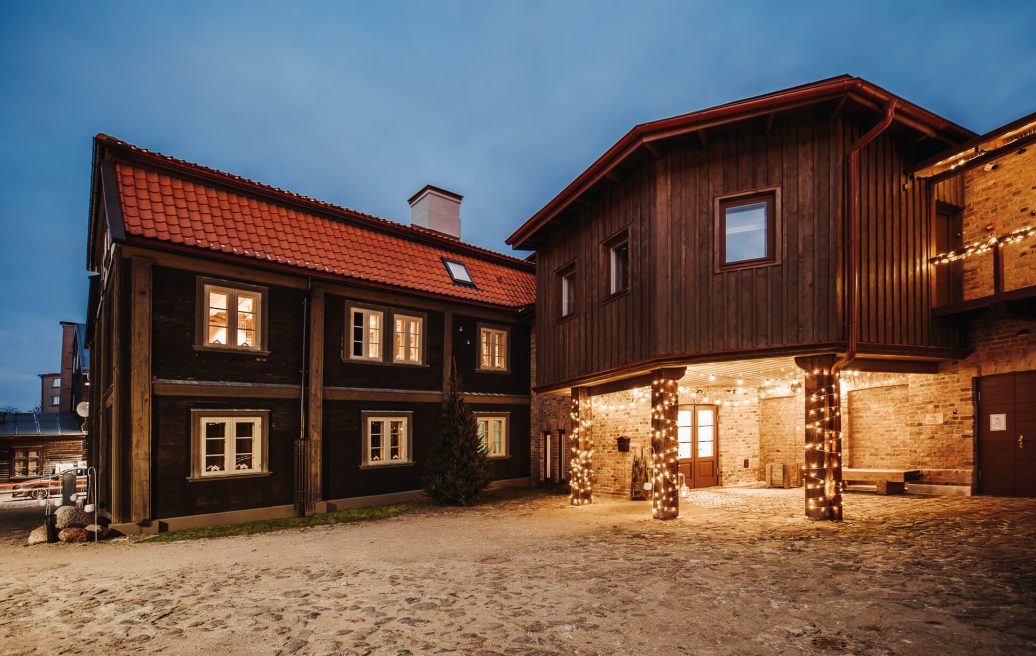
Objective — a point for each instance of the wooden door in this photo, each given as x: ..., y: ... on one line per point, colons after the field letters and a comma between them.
x: 1007, y: 434
x: 697, y: 436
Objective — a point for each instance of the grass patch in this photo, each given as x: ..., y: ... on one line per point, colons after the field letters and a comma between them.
x: 347, y: 516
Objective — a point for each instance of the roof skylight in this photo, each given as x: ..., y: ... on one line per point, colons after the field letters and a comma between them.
x: 458, y: 272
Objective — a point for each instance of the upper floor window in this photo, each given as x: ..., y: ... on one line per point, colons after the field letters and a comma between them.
x: 56, y: 382
x: 229, y: 443
x: 231, y: 316
x: 458, y: 272
x: 493, y: 346
x: 365, y: 336
x: 408, y: 335
x: 386, y: 439
x: 55, y: 400
x: 493, y: 431
x: 747, y: 229
x: 619, y: 264
x: 567, y: 292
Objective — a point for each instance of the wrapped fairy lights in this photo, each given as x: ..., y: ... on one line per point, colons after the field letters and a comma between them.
x: 581, y: 462
x: 665, y: 483
x: 822, y: 471
x: 984, y: 246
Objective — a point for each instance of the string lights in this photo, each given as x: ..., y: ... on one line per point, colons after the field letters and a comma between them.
x: 984, y: 246
x: 665, y: 476
x: 581, y: 461
x: 822, y: 472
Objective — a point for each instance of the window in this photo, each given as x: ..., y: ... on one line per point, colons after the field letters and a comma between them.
x: 365, y: 339
x: 228, y: 443
x: 55, y: 383
x: 493, y: 431
x: 55, y: 400
x: 568, y: 292
x: 696, y: 425
x: 458, y: 273
x: 619, y: 264
x: 493, y: 343
x: 27, y: 462
x: 408, y: 335
x: 386, y: 439
x: 231, y: 316
x: 747, y: 226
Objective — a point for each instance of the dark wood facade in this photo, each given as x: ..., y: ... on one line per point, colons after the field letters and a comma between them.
x: 667, y: 201
x: 151, y: 377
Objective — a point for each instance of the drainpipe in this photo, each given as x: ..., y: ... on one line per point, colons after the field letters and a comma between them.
x: 301, y: 450
x: 853, y: 194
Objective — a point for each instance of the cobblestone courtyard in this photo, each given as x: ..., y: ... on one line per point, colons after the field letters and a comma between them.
x: 741, y: 572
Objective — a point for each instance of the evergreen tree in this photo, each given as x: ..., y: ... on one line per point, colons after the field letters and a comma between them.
x: 458, y: 470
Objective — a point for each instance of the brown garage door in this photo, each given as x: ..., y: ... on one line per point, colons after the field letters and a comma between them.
x: 1007, y: 434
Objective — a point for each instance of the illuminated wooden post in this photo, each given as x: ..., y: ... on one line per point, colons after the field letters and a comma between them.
x: 580, y: 482
x: 822, y: 472
x: 665, y: 467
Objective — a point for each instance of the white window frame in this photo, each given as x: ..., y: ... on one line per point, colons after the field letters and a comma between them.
x: 56, y: 382
x: 55, y: 400
x: 613, y: 272
x: 568, y: 293
x: 260, y: 442
x: 411, y: 350
x: 258, y: 294
x: 497, y: 361
x: 351, y: 341
x: 505, y: 426
x: 386, y: 418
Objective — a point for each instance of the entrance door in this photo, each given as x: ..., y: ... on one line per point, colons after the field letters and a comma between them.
x: 699, y: 450
x: 1007, y: 434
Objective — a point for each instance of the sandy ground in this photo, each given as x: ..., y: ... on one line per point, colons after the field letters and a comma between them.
x: 740, y: 572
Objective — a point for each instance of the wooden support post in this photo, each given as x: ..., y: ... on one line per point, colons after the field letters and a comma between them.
x: 447, y: 350
x: 665, y: 467
x: 140, y: 389
x: 315, y: 398
x: 581, y: 457
x: 822, y: 473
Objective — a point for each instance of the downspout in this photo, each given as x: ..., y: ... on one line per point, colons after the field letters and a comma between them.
x: 853, y: 194
x: 302, y: 491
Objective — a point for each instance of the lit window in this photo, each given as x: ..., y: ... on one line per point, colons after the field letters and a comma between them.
x: 56, y: 382
x: 55, y: 400
x: 27, y: 462
x: 747, y: 230
x: 229, y: 445
x: 232, y: 317
x: 458, y: 272
x: 493, y: 431
x: 365, y: 339
x: 386, y: 440
x: 568, y: 292
x: 493, y: 348
x: 407, y: 339
x: 618, y: 266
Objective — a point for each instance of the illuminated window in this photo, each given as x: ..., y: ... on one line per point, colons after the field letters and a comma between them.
x: 747, y: 229
x: 458, y: 272
x: 365, y: 336
x: 231, y: 317
x: 27, y: 462
x: 228, y: 444
x: 386, y: 439
x: 619, y: 265
x: 493, y: 346
x: 493, y: 431
x: 408, y: 335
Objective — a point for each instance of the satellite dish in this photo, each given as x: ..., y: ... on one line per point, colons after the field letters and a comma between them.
x: 83, y: 409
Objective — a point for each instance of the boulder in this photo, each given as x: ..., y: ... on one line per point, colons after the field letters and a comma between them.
x: 38, y: 536
x: 72, y: 517
x: 73, y: 535
x: 100, y: 529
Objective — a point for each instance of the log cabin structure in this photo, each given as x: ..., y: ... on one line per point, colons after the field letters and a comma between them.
x: 260, y: 354
x: 725, y: 287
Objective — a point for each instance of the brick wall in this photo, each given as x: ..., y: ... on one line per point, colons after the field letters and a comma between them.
x: 547, y: 412
x: 782, y: 429
x: 875, y: 433
x: 622, y: 414
x: 1006, y: 199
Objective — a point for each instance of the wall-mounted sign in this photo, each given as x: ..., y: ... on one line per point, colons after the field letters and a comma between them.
x: 933, y: 418
x: 998, y: 422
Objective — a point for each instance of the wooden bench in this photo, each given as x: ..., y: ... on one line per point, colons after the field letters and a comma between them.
x: 886, y: 481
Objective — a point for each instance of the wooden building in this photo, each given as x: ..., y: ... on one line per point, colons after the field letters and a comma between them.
x: 776, y: 247
x: 257, y: 353
x: 37, y: 444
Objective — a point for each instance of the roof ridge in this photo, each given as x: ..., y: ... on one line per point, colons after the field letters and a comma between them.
x: 363, y: 216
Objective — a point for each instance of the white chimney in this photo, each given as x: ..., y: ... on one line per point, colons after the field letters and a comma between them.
x: 436, y: 209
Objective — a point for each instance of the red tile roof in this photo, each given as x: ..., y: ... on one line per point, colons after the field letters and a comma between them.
x: 158, y: 204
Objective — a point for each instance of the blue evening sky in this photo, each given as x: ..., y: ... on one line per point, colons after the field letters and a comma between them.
x: 361, y: 104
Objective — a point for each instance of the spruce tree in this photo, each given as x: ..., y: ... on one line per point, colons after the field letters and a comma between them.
x: 458, y: 470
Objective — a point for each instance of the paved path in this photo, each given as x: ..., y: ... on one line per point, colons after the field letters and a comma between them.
x: 740, y: 572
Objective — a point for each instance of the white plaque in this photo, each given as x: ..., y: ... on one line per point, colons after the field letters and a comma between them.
x: 933, y: 418
x: 998, y: 422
